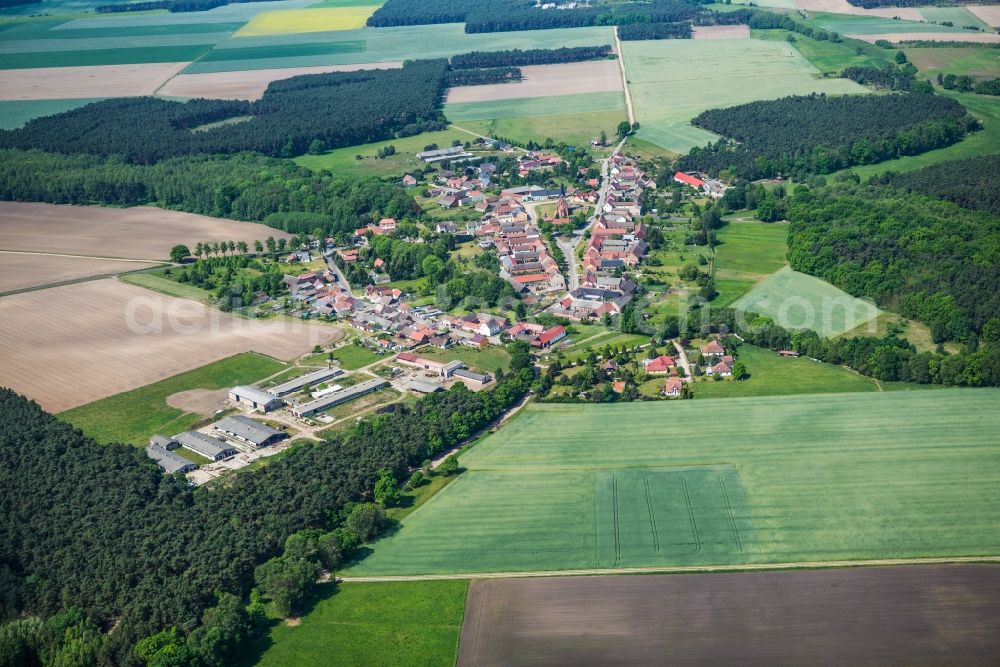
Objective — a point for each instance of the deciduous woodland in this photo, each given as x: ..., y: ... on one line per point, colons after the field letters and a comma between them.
x: 800, y: 135
x: 924, y: 258
x: 335, y: 109
x: 970, y: 183
x: 520, y: 58
x: 102, y: 529
x: 244, y: 187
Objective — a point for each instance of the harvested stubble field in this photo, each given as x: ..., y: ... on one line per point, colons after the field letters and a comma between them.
x: 899, y: 615
x: 988, y: 14
x: 249, y: 84
x: 142, y: 232
x: 71, y: 345
x: 59, y: 83
x: 799, y: 301
x: 22, y: 270
x: 728, y: 481
x: 729, y: 72
x: 721, y: 32
x: 975, y: 61
x: 596, y: 76
x: 845, y: 7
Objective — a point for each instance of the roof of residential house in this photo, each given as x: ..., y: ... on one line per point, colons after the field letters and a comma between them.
x: 673, y: 385
x: 712, y: 347
x: 248, y: 429
x: 660, y: 364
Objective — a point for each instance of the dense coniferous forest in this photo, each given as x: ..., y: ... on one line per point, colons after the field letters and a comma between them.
x: 801, y: 135
x: 923, y: 258
x: 889, y: 77
x: 971, y: 183
x: 335, y: 109
x: 170, y: 5
x: 637, y: 31
x: 243, y: 187
x: 101, y: 528
x: 482, y: 76
x: 507, y: 15
x: 520, y: 58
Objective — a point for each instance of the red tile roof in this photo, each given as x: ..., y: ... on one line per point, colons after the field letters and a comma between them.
x: 694, y: 182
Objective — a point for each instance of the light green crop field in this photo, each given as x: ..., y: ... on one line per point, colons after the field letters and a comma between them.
x: 771, y: 375
x: 729, y: 481
x: 799, y: 301
x: 960, y: 16
x: 134, y: 416
x: 128, y: 56
x: 486, y: 360
x: 573, y: 129
x: 975, y: 61
x: 827, y: 56
x: 391, y: 624
x: 156, y: 281
x: 536, y: 106
x: 871, y: 25
x: 750, y: 250
x: 344, y: 160
x: 391, y: 45
x: 984, y: 142
x: 15, y: 113
x: 674, y: 80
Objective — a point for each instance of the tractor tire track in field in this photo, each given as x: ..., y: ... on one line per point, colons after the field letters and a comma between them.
x: 683, y: 569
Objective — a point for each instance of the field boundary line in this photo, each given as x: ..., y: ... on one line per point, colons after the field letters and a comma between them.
x: 61, y: 254
x: 682, y: 569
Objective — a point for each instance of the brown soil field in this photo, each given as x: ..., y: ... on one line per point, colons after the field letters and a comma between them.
x: 596, y: 76
x: 249, y: 84
x: 67, y: 346
x: 21, y: 270
x: 942, y: 57
x: 55, y: 83
x: 926, y: 615
x: 721, y: 32
x: 988, y: 14
x: 844, y: 7
x: 143, y: 232
x: 201, y: 401
x: 895, y: 37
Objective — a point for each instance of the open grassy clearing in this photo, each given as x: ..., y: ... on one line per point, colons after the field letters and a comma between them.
x: 798, y: 301
x: 915, y: 332
x: 771, y: 375
x: 312, y: 19
x: 486, y: 360
x: 827, y: 56
x: 133, y: 416
x: 983, y: 142
x: 392, y: 624
x: 369, y: 45
x: 344, y: 160
x: 64, y: 355
x: 765, y: 618
x: 15, y: 113
x: 575, y: 128
x: 750, y: 250
x: 728, y: 72
x: 769, y: 479
x: 156, y: 281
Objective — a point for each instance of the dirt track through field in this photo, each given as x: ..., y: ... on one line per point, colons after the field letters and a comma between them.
x: 896, y: 37
x: 142, y: 232
x: 63, y: 83
x: 878, y: 616
x: 67, y: 346
x: 249, y: 84
x: 596, y: 76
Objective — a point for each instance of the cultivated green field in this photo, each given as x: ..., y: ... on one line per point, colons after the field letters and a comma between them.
x: 573, y: 129
x: 387, y: 45
x: 972, y: 60
x: 157, y: 282
x: 722, y: 73
x: 536, y: 106
x: 15, y: 113
x: 771, y: 375
x: 134, y: 416
x: 130, y: 56
x: 799, y: 301
x: 729, y: 481
x: 827, y: 56
x: 871, y: 25
x: 960, y: 16
x: 392, y: 624
x: 984, y: 142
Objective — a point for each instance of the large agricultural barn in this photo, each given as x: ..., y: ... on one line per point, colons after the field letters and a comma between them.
x: 338, y: 397
x: 206, y: 445
x: 249, y: 431
x: 254, y: 398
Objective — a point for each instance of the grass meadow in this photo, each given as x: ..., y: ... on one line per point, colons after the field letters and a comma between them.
x: 971, y: 60
x: 729, y: 481
x: 750, y: 250
x: 486, y: 360
x: 392, y: 624
x: 827, y: 56
x: 155, y: 280
x: 722, y: 73
x: 847, y: 24
x: 959, y: 16
x: 799, y: 301
x: 134, y: 416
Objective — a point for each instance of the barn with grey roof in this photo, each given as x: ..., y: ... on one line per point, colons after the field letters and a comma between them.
x: 169, y: 461
x: 249, y: 431
x: 306, y: 380
x: 206, y: 445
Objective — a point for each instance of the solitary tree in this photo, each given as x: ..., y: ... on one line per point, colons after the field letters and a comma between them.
x: 179, y: 252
